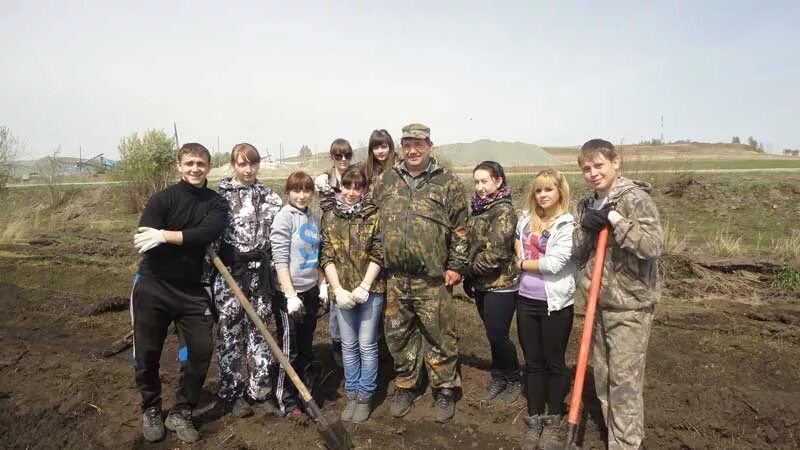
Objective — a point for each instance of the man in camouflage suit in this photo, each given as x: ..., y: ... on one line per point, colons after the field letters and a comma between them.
x: 424, y: 214
x: 630, y: 286
x: 245, y: 250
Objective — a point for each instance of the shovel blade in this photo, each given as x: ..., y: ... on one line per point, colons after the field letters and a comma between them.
x: 333, y: 433
x: 329, y: 427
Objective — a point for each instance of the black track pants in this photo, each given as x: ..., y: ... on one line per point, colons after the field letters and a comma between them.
x: 155, y: 304
x: 544, y: 339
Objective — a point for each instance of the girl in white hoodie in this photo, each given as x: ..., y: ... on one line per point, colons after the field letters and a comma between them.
x: 544, y: 305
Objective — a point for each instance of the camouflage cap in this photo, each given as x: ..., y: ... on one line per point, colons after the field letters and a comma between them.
x: 416, y: 131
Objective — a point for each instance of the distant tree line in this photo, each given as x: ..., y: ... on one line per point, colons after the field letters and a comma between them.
x: 751, y: 142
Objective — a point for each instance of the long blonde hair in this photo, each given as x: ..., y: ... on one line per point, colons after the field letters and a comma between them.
x: 541, y: 179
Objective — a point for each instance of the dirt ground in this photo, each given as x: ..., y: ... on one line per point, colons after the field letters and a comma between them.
x: 722, y: 368
x: 722, y: 371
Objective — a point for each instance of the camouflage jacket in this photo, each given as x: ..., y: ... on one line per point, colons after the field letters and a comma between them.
x: 252, y: 210
x: 327, y: 196
x: 491, y: 257
x: 424, y: 230
x: 350, y: 243
x: 630, y: 273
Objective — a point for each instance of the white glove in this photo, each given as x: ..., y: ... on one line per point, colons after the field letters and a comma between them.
x: 294, y: 305
x: 148, y: 238
x: 321, y: 183
x: 323, y: 294
x: 344, y: 299
x: 361, y: 293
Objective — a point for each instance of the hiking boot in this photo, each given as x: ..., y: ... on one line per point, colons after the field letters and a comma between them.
x: 552, y: 437
x: 180, y: 421
x: 350, y: 407
x: 445, y: 406
x: 402, y: 403
x: 531, y: 439
x: 241, y: 408
x: 511, y: 393
x: 493, y: 389
x: 152, y: 424
x: 362, y: 410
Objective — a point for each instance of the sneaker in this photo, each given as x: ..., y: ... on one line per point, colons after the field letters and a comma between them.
x: 552, y: 437
x: 241, y: 408
x: 180, y: 421
x: 362, y: 410
x: 511, y: 393
x: 445, y: 405
x: 402, y: 403
x: 152, y: 424
x: 495, y: 387
x: 296, y: 415
x: 531, y: 439
x: 350, y: 408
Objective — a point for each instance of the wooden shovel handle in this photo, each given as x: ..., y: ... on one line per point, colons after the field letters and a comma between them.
x: 248, y: 308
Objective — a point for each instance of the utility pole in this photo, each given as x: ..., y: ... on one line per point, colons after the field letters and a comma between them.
x: 662, y: 130
x: 217, y: 144
x: 177, y: 142
x: 80, y: 159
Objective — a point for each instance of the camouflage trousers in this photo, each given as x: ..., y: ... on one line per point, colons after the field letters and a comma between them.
x: 619, y: 347
x: 420, y: 331
x: 235, y: 330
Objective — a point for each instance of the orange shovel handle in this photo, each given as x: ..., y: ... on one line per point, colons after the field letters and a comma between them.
x: 588, y: 325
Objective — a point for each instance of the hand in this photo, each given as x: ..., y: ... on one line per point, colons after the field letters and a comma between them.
x: 361, y: 293
x: 595, y: 219
x: 323, y: 294
x: 344, y: 299
x: 321, y: 183
x: 294, y: 306
x: 148, y: 238
x: 451, y: 278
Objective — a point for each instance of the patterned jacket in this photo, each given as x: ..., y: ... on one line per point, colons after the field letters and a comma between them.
x: 350, y: 243
x: 252, y: 210
x: 491, y: 257
x: 424, y: 231
x: 630, y: 273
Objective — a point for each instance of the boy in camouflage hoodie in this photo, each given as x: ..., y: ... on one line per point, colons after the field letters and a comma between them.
x: 629, y: 290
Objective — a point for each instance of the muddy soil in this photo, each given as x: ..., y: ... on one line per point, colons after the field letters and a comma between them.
x: 722, y: 367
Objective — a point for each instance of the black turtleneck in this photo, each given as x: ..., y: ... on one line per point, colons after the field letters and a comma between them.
x: 200, y: 213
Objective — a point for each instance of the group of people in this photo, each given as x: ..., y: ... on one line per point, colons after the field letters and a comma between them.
x: 395, y: 235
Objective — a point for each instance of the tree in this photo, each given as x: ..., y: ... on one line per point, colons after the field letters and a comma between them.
x: 51, y: 171
x: 752, y: 142
x: 148, y: 163
x: 9, y: 148
x: 736, y: 140
x: 305, y: 152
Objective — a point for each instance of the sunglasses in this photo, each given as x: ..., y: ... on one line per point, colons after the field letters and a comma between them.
x: 342, y: 156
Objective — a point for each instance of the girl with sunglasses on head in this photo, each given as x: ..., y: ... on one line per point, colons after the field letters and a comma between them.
x: 328, y: 186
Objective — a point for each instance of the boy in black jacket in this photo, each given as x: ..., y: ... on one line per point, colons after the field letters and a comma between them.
x: 176, y: 226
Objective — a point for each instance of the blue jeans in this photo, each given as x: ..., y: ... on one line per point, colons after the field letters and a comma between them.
x: 359, y: 331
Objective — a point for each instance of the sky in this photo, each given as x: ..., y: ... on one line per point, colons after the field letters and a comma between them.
x: 82, y: 75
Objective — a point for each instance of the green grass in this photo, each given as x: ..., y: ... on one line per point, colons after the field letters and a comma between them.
x: 788, y: 279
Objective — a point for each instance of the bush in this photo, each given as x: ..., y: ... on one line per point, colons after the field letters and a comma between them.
x: 148, y: 163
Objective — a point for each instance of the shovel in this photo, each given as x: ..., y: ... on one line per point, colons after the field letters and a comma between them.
x: 328, y: 425
x: 586, y: 340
